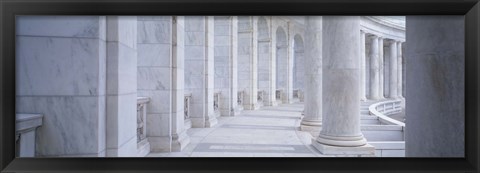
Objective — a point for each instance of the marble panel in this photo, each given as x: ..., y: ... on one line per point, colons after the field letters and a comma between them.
x: 194, y: 38
x: 122, y: 68
x: 122, y: 29
x: 154, y: 78
x: 157, y: 55
x: 159, y: 100
x: 195, y: 52
x: 60, y: 26
x: 158, y: 31
x: 158, y: 125
x: 71, y: 125
x: 42, y: 61
x: 150, y: 18
x: 121, y: 119
x: 195, y: 23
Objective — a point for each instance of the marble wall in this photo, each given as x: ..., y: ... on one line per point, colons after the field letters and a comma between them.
x: 264, y: 61
x: 199, y: 68
x: 247, y: 60
x: 61, y: 73
x: 435, y: 109
x: 225, y: 53
x: 299, y: 67
x: 154, y: 77
x: 282, y: 62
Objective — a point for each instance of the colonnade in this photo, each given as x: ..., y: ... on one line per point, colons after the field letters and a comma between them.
x: 381, y: 74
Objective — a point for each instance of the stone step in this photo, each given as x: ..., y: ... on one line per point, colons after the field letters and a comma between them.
x: 370, y: 122
x: 383, y: 132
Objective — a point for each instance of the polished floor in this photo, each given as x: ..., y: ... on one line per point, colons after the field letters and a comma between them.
x: 267, y: 132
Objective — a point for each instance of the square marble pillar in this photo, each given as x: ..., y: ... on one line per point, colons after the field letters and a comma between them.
x: 247, y: 60
x: 435, y: 83
x: 225, y: 82
x: 160, y: 73
x: 121, y: 86
x: 199, y: 68
x: 61, y: 74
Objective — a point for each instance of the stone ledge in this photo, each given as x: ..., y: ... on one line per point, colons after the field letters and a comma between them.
x: 361, y: 151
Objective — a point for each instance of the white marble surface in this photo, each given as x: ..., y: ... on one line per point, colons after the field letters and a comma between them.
x: 313, y: 74
x: 341, y: 99
x: 71, y: 124
x: 61, y: 26
x: 42, y: 61
x: 435, y: 79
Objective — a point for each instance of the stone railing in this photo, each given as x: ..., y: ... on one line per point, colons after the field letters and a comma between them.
x: 278, y: 94
x: 260, y: 96
x: 296, y: 93
x: 141, y: 118
x: 186, y: 105
x: 25, y: 128
x: 216, y: 102
x: 385, y: 108
x: 240, y: 96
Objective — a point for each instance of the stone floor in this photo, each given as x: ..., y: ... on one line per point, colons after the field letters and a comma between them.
x: 267, y: 132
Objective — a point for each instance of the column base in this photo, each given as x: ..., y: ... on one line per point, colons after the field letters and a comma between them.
x: 210, y: 121
x: 341, y: 141
x: 366, y: 150
x: 313, y: 127
x: 180, y: 141
x: 254, y: 106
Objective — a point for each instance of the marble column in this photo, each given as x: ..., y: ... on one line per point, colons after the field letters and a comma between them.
x: 435, y: 106
x: 121, y: 86
x: 247, y: 60
x: 312, y: 119
x: 393, y: 69
x: 363, y: 81
x: 225, y: 80
x: 199, y: 68
x: 61, y: 74
x: 160, y: 77
x: 264, y: 61
x: 290, y: 64
x: 374, y: 69
x: 381, y: 68
x: 399, y: 70
x: 340, y: 134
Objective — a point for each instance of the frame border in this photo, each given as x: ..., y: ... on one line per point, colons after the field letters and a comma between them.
x: 10, y: 8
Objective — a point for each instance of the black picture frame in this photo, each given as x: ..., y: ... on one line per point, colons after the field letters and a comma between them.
x: 10, y: 8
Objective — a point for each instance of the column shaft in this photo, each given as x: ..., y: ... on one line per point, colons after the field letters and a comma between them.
x: 393, y: 69
x: 381, y: 68
x: 313, y: 75
x: 362, y: 67
x: 399, y: 71
x: 341, y: 98
x: 374, y: 69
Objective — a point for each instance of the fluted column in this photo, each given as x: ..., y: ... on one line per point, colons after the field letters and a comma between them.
x: 381, y: 80
x: 374, y: 69
x: 362, y: 67
x: 340, y: 134
x: 313, y: 75
x: 393, y: 69
x: 399, y: 70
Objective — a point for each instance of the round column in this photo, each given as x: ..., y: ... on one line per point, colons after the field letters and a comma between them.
x: 399, y: 71
x: 393, y: 69
x: 374, y: 69
x: 381, y: 68
x: 313, y: 76
x: 362, y: 67
x: 341, y: 97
